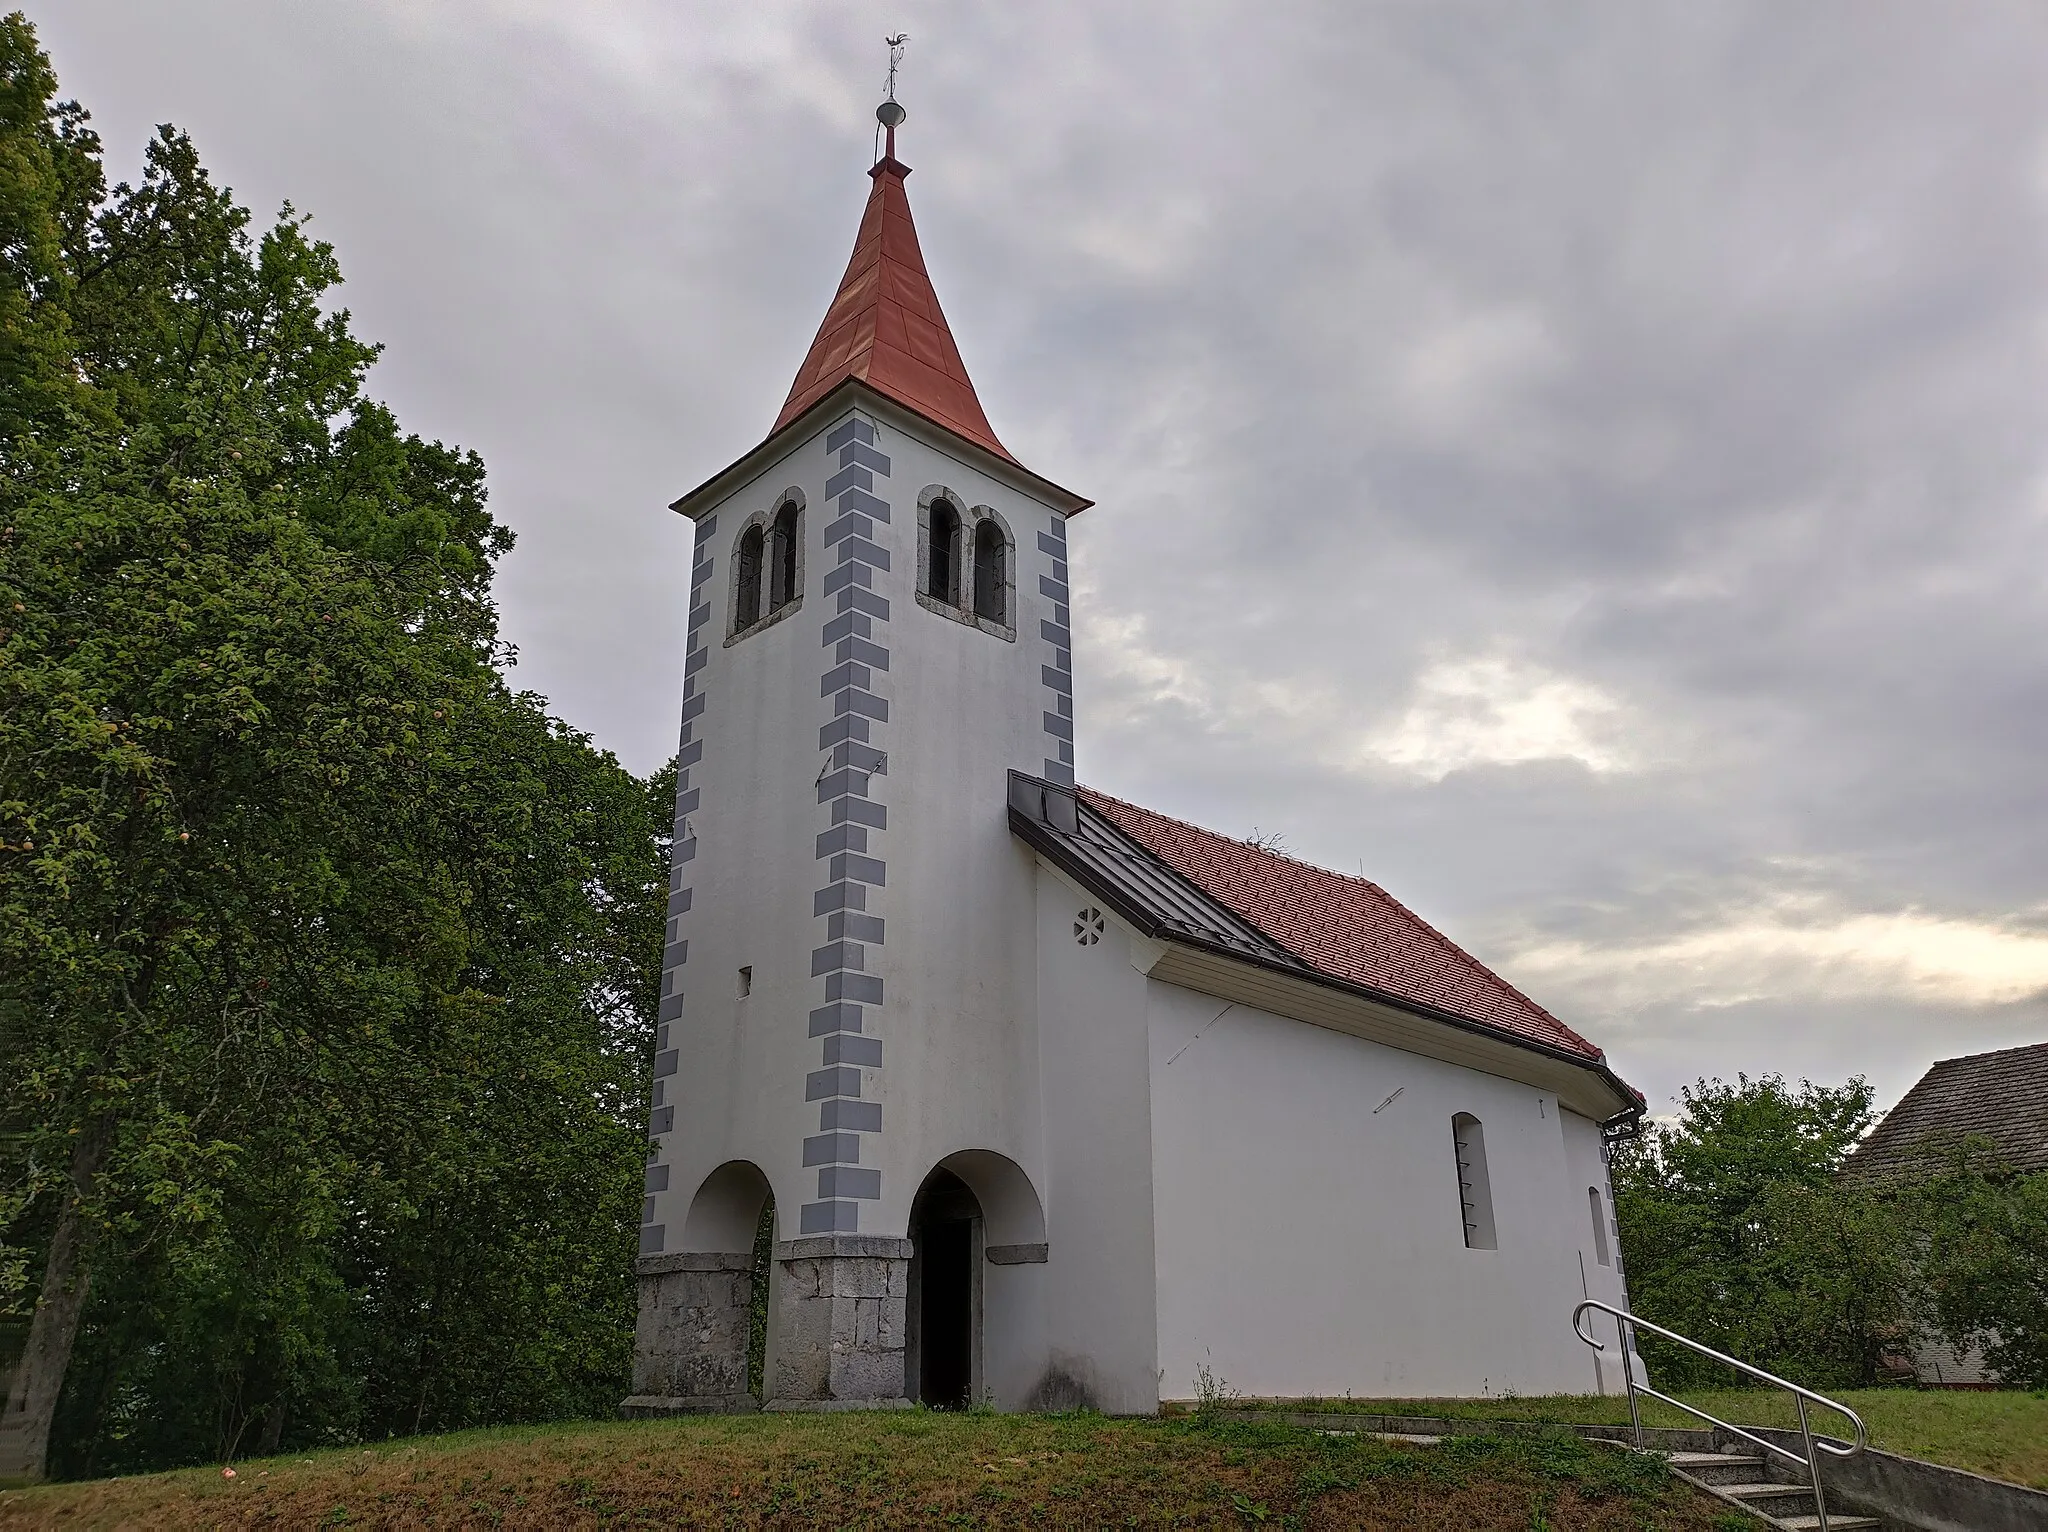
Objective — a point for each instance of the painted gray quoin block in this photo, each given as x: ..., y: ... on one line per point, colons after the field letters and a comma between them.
x: 850, y: 845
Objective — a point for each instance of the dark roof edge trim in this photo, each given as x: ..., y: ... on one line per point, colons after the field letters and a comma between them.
x: 1065, y: 501
x: 1623, y: 1124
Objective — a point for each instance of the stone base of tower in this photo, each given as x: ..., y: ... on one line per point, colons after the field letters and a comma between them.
x: 690, y: 1344
x: 839, y: 1325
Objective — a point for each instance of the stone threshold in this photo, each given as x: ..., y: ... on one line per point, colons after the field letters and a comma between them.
x: 651, y: 1406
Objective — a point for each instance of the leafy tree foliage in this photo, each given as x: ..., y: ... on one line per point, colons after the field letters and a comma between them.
x: 1986, y: 1261
x: 1735, y: 1232
x: 327, y: 961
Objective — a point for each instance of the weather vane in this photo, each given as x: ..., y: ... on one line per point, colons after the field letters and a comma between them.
x: 895, y: 57
x: 889, y: 114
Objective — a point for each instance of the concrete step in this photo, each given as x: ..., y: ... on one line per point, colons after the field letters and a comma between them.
x: 1739, y: 1479
x: 1719, y: 1467
x: 1776, y: 1500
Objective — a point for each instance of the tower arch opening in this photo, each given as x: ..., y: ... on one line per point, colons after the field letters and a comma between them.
x: 1015, y: 1218
x: 944, y: 1297
x: 727, y: 1209
x: 976, y: 1210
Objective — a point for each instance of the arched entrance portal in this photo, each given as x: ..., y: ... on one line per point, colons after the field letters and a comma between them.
x: 944, y: 1318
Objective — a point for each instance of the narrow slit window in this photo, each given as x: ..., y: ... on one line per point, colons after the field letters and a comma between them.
x: 942, y: 564
x: 1475, y: 1191
x: 991, y: 572
x: 1599, y: 1227
x: 782, y: 563
x: 746, y: 982
x: 747, y: 601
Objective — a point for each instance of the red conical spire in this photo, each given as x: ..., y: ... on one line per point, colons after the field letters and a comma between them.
x: 886, y: 328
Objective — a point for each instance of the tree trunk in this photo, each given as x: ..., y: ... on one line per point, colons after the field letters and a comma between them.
x: 273, y: 1428
x: 32, y: 1402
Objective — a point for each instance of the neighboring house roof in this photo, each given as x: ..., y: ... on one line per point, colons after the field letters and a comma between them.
x: 2000, y: 1096
x: 885, y: 327
x: 1345, y: 927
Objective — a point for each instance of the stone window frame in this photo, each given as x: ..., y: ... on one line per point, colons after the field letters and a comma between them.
x: 765, y: 520
x: 971, y: 518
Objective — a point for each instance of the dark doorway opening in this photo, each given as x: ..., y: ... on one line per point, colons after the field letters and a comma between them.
x: 945, y: 1237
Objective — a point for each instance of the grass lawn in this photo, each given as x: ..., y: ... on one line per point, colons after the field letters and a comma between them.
x: 2002, y: 1434
x: 913, y: 1469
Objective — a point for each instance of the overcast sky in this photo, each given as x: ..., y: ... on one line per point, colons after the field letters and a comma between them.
x: 1585, y: 466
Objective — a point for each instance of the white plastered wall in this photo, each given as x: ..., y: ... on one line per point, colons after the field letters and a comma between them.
x: 1308, y: 1227
x: 1101, y: 1316
x: 739, y: 1089
x: 1586, y: 1165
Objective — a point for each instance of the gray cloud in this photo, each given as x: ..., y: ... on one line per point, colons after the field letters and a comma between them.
x: 1589, y: 470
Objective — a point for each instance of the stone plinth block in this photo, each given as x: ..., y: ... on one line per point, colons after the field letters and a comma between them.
x: 690, y: 1344
x: 840, y: 1323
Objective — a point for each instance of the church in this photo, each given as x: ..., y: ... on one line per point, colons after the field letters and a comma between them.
x: 1057, y: 1101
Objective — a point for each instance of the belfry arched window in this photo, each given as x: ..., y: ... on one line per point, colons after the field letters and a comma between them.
x: 746, y: 609
x: 942, y: 556
x: 768, y: 566
x: 991, y: 570
x: 782, y: 562
x: 966, y: 563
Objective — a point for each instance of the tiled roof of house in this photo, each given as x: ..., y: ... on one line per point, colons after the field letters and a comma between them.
x: 1345, y: 927
x: 2002, y: 1096
x: 885, y: 327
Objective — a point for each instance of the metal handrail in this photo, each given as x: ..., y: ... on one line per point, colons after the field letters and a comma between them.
x: 1627, y: 1324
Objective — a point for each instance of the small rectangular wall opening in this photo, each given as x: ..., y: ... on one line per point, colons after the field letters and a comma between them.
x: 1599, y: 1227
x: 746, y: 982
x: 1475, y: 1191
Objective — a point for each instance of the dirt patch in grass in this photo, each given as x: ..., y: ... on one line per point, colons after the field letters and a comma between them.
x: 2002, y: 1434
x: 909, y: 1470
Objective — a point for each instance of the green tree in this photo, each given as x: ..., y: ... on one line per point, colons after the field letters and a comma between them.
x: 326, y: 960
x: 1985, y: 1266
x: 1736, y: 1233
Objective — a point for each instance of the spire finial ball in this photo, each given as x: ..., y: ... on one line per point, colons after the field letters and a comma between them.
x: 890, y: 114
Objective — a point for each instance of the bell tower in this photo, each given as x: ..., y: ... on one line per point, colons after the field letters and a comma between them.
x: 878, y: 633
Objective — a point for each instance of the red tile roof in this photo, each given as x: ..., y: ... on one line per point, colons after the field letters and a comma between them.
x: 885, y: 327
x: 1346, y: 927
